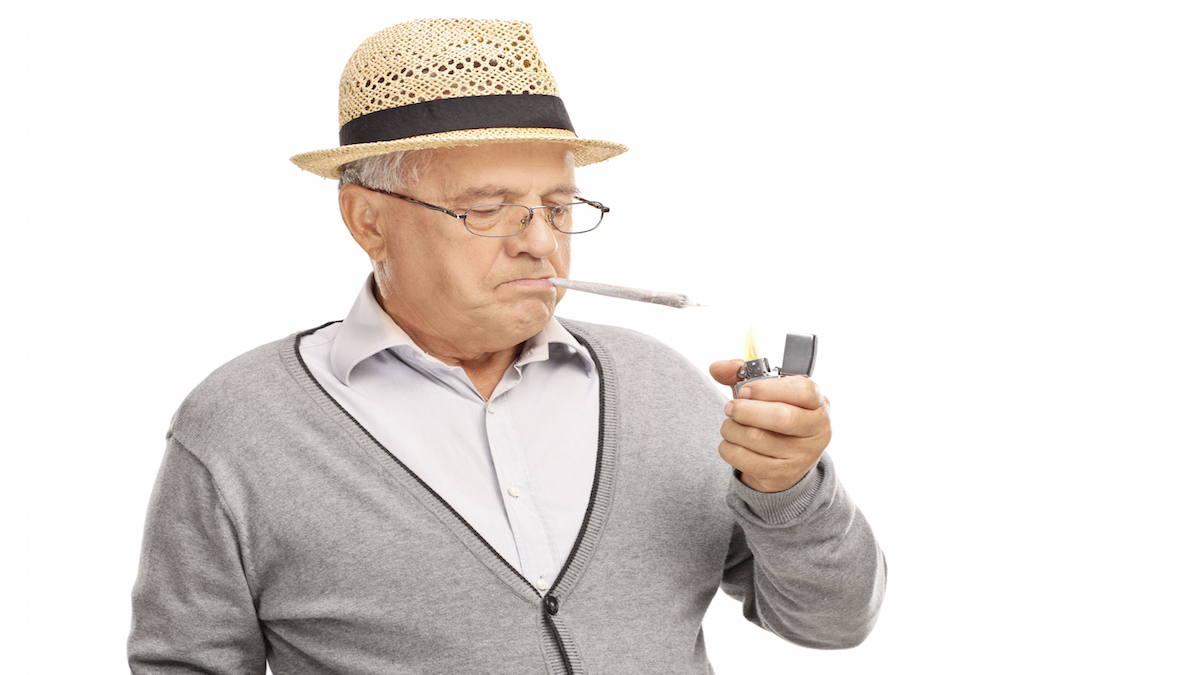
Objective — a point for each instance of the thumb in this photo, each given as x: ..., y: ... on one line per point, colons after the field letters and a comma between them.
x: 725, y: 372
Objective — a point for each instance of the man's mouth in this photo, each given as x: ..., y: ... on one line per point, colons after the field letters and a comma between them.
x: 531, y: 282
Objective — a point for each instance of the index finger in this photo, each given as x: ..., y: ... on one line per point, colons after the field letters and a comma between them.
x: 796, y: 390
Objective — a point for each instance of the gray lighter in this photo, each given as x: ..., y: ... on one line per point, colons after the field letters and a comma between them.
x: 799, y: 357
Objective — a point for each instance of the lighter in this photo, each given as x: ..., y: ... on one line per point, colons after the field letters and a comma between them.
x: 799, y: 357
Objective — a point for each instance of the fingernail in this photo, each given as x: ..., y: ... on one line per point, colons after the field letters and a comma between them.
x: 744, y: 392
x: 729, y: 408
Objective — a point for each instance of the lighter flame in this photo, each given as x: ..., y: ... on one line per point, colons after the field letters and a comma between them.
x: 751, y: 345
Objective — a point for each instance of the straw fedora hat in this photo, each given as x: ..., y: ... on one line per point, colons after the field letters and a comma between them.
x: 439, y: 83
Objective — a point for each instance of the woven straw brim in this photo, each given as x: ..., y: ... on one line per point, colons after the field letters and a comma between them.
x: 328, y: 163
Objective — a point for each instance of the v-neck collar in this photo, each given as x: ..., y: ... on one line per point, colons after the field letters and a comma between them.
x: 599, y: 502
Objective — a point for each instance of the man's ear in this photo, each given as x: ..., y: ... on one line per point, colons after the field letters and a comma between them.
x: 362, y: 220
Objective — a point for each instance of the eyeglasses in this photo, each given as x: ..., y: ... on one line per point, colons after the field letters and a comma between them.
x: 507, y: 220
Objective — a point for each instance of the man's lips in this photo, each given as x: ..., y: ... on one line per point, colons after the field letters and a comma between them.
x: 542, y: 282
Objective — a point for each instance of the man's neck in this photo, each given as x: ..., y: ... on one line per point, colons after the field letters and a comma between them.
x: 485, y: 367
x: 484, y: 364
x: 484, y: 372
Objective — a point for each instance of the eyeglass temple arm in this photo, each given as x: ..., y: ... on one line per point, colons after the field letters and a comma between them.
x: 589, y: 202
x: 432, y: 207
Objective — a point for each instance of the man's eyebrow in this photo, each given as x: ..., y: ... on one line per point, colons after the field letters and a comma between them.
x: 489, y: 191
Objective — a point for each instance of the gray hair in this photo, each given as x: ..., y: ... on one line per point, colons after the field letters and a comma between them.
x: 394, y: 172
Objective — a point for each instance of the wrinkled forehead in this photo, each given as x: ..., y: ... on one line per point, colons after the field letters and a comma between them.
x: 501, y: 168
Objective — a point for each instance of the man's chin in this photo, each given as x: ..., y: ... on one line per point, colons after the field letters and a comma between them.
x: 531, y: 318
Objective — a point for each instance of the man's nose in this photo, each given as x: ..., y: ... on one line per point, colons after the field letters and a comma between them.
x: 539, y: 239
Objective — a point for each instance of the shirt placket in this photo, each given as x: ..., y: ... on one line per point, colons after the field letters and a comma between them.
x: 520, y: 498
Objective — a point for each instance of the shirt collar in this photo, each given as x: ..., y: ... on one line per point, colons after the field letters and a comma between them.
x: 368, y: 330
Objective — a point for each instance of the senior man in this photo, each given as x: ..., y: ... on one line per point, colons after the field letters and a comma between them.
x: 453, y: 480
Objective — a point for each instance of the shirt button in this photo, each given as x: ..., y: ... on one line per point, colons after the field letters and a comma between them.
x: 514, y: 491
x: 491, y: 408
x: 541, y: 584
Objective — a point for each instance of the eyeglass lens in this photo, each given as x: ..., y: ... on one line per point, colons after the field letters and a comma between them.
x: 500, y: 220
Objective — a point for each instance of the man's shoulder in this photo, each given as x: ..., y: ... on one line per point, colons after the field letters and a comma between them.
x: 616, y: 339
x: 639, y: 358
x: 259, y: 384
x: 245, y: 373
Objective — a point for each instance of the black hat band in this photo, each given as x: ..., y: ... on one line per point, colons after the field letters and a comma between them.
x: 534, y: 111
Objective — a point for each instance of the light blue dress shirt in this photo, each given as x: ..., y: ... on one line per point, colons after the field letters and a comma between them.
x: 517, y: 467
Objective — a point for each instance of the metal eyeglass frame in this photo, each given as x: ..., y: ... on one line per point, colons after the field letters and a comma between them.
x: 524, y: 221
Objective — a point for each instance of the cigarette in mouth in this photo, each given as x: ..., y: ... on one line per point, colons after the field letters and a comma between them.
x: 677, y: 300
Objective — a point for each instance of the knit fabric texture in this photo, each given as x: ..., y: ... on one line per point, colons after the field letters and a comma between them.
x: 279, y: 529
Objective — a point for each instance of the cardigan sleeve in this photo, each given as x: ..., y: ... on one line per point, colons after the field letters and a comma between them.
x: 192, y: 606
x: 804, y: 562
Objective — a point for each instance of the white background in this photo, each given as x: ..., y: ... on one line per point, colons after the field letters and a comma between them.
x: 986, y: 211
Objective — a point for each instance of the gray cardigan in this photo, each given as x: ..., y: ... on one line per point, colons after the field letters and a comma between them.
x: 279, y: 529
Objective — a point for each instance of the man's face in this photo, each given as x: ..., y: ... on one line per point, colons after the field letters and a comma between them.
x: 449, y: 288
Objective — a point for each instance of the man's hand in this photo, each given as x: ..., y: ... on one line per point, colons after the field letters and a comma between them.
x: 777, y: 428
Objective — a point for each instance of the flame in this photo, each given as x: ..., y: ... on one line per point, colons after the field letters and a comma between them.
x: 751, y: 351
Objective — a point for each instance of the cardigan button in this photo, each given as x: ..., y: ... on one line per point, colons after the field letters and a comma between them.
x: 552, y: 605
